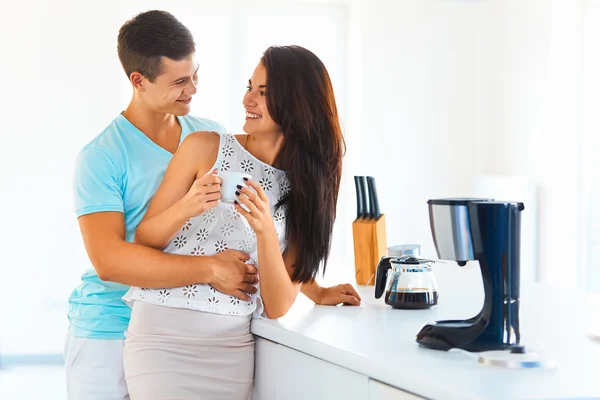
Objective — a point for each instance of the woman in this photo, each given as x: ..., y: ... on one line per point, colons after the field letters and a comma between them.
x: 195, y: 342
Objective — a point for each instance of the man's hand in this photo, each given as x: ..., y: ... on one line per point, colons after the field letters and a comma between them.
x: 232, y: 276
x: 344, y: 293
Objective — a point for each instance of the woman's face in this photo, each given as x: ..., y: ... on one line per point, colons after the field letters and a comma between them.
x: 258, y: 119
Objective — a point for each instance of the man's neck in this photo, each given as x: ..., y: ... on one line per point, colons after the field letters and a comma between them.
x: 157, y: 126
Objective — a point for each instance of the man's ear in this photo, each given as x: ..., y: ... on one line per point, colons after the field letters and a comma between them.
x: 137, y: 80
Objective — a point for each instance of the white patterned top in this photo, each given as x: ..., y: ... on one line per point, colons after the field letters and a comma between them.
x: 218, y: 229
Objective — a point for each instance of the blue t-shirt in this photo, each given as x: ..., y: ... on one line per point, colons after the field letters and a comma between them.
x: 120, y: 170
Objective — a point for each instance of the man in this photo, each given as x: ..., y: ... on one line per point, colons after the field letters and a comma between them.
x: 115, y: 178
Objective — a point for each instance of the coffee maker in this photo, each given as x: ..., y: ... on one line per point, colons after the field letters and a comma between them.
x: 489, y: 232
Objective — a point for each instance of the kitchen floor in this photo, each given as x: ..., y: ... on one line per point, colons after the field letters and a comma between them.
x: 29, y: 382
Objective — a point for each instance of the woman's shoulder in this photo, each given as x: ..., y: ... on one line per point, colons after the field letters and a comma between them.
x: 202, y: 138
x: 200, y: 148
x: 204, y: 142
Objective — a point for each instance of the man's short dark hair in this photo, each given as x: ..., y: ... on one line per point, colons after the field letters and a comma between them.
x: 149, y: 36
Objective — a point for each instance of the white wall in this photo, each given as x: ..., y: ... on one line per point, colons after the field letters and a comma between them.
x: 535, y: 54
x: 412, y: 127
x: 417, y: 107
x: 454, y: 89
x: 413, y: 84
x: 439, y: 93
x: 62, y: 84
x: 590, y: 203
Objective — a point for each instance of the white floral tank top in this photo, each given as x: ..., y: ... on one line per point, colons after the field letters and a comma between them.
x: 218, y: 229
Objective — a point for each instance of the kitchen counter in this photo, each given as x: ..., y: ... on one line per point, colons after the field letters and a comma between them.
x: 378, y: 342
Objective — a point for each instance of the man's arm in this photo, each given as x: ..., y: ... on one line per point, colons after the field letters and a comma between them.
x: 131, y: 264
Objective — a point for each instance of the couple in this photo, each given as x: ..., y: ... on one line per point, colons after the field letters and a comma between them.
x: 185, y: 262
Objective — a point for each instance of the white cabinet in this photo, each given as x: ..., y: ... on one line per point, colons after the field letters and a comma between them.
x: 381, y: 391
x: 265, y: 367
x: 283, y: 373
x: 303, y: 377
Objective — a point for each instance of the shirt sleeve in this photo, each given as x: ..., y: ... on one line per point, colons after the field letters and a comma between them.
x: 260, y: 312
x: 97, y: 183
x: 221, y: 129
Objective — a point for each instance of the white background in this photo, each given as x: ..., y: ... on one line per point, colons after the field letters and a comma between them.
x: 435, y: 96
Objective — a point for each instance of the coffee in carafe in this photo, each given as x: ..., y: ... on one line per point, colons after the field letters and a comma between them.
x: 408, y: 281
x: 415, y: 300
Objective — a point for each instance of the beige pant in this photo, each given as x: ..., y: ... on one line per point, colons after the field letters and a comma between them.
x: 180, y: 354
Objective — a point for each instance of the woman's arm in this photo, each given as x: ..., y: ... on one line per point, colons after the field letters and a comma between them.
x: 344, y: 293
x: 181, y: 195
x: 276, y: 287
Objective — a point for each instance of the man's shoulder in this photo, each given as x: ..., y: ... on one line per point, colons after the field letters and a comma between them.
x: 109, y: 142
x: 203, y: 124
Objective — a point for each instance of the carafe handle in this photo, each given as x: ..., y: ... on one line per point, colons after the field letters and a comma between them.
x: 381, y: 275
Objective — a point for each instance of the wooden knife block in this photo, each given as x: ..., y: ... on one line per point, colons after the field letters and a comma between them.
x: 370, y: 244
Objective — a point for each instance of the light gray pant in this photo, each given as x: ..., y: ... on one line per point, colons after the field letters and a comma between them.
x: 94, y: 369
x: 174, y: 353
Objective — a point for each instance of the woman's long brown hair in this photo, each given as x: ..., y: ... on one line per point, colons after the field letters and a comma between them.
x: 300, y: 100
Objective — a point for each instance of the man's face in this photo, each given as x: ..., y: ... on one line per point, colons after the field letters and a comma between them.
x: 172, y: 90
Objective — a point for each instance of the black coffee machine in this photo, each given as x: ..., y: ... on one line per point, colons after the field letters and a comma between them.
x: 490, y: 232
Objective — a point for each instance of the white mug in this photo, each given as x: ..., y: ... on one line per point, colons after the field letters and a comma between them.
x: 229, y: 182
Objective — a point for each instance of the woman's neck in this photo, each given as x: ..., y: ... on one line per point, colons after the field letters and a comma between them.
x: 264, y: 146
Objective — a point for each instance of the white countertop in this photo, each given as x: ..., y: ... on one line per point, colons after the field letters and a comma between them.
x: 378, y: 341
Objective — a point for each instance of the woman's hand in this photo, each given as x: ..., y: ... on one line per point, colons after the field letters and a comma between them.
x: 203, y: 195
x: 331, y: 296
x: 344, y: 293
x: 259, y: 211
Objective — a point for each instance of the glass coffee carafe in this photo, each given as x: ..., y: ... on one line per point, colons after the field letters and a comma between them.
x: 409, y: 282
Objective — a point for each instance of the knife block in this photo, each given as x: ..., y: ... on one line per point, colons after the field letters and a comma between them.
x: 370, y: 244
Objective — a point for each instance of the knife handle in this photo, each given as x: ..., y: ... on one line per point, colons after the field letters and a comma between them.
x: 359, y: 202
x: 373, y: 199
x: 362, y: 183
